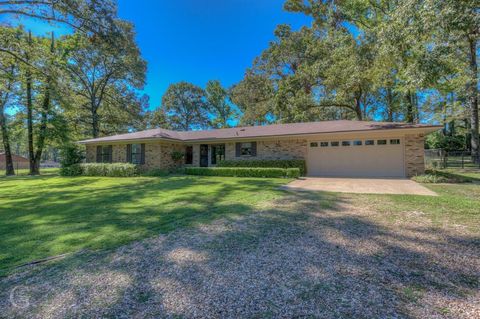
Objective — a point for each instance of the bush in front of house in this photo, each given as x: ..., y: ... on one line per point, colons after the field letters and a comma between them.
x: 72, y: 170
x: 242, y: 171
x: 109, y: 169
x: 70, y: 158
x: 296, y: 163
x: 436, y: 177
x: 292, y: 172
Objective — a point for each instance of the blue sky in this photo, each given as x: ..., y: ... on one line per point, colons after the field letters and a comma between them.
x: 197, y: 40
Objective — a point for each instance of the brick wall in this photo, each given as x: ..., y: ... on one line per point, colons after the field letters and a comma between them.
x: 414, y: 155
x: 272, y: 150
x: 157, y: 154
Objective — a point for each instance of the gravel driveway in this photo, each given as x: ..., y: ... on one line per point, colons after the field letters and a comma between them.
x: 304, y: 258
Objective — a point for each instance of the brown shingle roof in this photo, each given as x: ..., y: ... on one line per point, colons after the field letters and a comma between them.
x: 261, y: 131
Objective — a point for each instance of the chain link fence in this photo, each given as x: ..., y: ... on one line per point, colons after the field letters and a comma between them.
x: 439, y: 158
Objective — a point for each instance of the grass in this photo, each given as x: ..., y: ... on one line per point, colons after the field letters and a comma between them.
x: 448, y: 176
x: 49, y: 215
x: 24, y: 171
x: 457, y: 204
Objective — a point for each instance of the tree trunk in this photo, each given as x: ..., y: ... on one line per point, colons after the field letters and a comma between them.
x: 9, y: 170
x: 409, y: 116
x: 358, y: 106
x: 42, y: 134
x: 31, y: 155
x: 95, y: 124
x: 43, y: 130
x: 472, y: 89
x: 389, y: 105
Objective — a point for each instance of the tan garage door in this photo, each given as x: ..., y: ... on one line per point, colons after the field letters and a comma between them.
x: 356, y: 158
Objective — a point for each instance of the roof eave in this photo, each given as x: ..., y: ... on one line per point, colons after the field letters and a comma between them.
x: 424, y: 129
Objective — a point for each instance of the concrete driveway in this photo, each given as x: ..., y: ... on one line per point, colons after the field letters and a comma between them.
x: 360, y: 185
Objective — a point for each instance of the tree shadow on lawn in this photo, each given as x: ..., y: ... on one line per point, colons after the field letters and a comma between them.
x: 87, y: 213
x: 294, y: 260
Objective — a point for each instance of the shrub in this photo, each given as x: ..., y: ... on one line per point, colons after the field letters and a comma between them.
x: 110, y: 170
x: 300, y: 164
x: 72, y: 170
x: 436, y: 176
x: 70, y: 158
x: 293, y: 172
x: 177, y: 156
x: 239, y: 171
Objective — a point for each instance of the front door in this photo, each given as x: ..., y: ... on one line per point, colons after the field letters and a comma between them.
x: 203, y: 155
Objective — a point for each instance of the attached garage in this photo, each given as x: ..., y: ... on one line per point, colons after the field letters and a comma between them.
x: 372, y: 157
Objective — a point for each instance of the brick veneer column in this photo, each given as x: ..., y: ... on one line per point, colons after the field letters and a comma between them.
x: 414, y: 154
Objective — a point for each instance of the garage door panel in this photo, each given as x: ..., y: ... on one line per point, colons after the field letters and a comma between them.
x: 357, y: 161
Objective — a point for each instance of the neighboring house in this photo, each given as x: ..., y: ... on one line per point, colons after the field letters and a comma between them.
x: 330, y: 148
x: 19, y: 162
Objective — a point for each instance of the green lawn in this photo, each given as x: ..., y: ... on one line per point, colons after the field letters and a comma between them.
x: 457, y: 203
x: 50, y: 215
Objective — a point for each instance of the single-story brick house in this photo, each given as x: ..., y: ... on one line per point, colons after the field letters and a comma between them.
x: 330, y: 148
x: 19, y: 162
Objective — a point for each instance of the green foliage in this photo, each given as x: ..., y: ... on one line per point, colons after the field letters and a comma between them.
x: 71, y: 170
x: 220, y: 109
x: 177, y: 156
x: 109, y: 169
x: 185, y: 106
x: 240, y: 171
x: 71, y: 154
x: 293, y: 173
x: 438, y: 140
x: 70, y: 158
x: 300, y: 164
x: 437, y: 176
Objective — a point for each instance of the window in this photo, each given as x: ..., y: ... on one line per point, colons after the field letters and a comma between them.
x: 369, y: 142
x: 381, y: 142
x: 188, y: 155
x: 314, y: 144
x: 104, y: 154
x: 218, y: 153
x: 345, y: 143
x: 357, y: 143
x: 334, y: 144
x: 136, y: 154
x: 323, y: 144
x: 395, y: 141
x: 246, y: 149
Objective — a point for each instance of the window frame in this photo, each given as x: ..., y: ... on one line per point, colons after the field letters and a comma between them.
x: 382, y: 142
x: 357, y: 143
x: 324, y: 144
x: 136, y: 154
x: 249, y: 149
x: 369, y: 144
x: 335, y: 144
x: 346, y: 143
x: 106, y: 153
x: 313, y: 144
x: 189, y: 155
x: 215, y: 155
x: 397, y: 141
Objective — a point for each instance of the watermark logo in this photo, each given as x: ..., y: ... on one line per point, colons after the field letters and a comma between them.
x: 19, y: 297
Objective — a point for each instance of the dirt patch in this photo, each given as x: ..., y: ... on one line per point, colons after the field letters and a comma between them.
x: 302, y: 258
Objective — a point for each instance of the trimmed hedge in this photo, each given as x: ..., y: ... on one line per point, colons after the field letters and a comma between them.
x: 300, y: 164
x: 244, y: 171
x: 110, y: 170
x: 71, y: 170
